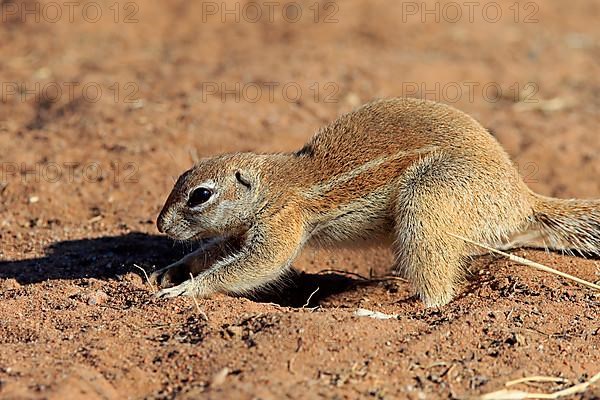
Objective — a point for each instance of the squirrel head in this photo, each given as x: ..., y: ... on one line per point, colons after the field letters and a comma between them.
x: 217, y: 197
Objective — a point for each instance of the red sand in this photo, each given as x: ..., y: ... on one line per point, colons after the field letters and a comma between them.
x: 77, y: 321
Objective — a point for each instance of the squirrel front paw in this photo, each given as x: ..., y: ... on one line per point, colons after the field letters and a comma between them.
x: 183, y: 289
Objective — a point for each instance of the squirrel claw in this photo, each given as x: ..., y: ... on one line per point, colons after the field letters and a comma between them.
x: 183, y: 289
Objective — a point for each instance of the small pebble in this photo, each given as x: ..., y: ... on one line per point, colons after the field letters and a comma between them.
x: 9, y: 284
x: 219, y: 378
x: 97, y: 297
x: 133, y: 279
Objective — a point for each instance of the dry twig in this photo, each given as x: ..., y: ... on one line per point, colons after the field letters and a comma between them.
x: 310, y: 297
x: 536, y: 379
x: 154, y: 289
x: 507, y: 394
x: 529, y: 263
x: 200, y: 312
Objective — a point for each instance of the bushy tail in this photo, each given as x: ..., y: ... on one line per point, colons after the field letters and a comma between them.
x: 568, y: 225
x: 572, y: 226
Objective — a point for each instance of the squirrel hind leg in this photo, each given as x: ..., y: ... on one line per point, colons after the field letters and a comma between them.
x: 426, y: 254
x: 436, y: 199
x: 432, y: 261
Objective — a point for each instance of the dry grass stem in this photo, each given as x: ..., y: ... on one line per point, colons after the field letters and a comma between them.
x: 530, y: 263
x: 310, y: 297
x: 154, y: 289
x: 536, y: 379
x: 200, y: 312
x: 385, y: 278
x: 506, y: 394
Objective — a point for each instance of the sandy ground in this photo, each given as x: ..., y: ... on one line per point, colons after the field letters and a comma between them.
x: 104, y: 104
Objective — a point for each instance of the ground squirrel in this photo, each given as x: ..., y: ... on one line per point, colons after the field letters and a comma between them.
x: 405, y: 171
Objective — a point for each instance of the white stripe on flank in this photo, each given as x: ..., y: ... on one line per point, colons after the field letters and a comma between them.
x: 339, y: 180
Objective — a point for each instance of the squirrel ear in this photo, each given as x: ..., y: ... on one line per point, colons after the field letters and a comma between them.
x: 243, y: 180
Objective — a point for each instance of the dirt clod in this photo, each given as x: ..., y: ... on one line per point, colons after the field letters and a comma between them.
x: 96, y: 298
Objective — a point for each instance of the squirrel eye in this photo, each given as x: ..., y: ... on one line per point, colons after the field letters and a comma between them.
x: 199, y: 196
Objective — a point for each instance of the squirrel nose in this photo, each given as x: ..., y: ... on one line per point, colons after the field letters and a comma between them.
x: 161, y: 222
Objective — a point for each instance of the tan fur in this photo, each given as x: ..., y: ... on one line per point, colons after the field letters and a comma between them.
x: 405, y: 170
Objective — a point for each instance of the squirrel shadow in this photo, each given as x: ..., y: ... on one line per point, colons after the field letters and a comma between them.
x: 306, y: 290
x: 102, y: 258
x: 110, y: 256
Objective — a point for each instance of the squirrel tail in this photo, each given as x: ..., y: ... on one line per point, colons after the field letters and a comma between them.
x: 568, y: 225
x: 571, y: 226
